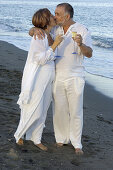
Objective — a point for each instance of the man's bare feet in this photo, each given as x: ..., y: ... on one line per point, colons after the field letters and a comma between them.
x: 59, y: 145
x: 20, y: 142
x: 79, y: 151
x: 42, y: 147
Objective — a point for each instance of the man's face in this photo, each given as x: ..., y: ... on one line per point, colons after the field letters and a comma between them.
x: 60, y: 16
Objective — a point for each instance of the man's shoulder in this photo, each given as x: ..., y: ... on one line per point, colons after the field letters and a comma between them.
x: 81, y: 27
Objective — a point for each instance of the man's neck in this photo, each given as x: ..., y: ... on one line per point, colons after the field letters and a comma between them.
x: 67, y: 25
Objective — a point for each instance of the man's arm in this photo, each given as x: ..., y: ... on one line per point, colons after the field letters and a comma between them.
x: 85, y: 50
x: 40, y: 34
x: 31, y: 32
x: 50, y: 40
x: 37, y: 32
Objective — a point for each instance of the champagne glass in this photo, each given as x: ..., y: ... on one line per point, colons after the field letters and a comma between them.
x: 73, y: 36
x: 59, y: 33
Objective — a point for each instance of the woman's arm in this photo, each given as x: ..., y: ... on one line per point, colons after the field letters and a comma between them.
x: 42, y: 52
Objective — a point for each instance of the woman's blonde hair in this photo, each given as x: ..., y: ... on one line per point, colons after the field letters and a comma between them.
x: 41, y: 18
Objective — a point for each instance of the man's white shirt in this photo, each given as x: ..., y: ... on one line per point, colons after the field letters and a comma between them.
x: 69, y: 65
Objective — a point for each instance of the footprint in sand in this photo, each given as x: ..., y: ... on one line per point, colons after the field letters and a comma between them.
x: 12, y: 154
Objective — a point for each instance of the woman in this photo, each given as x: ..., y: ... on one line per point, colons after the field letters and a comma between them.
x: 36, y: 88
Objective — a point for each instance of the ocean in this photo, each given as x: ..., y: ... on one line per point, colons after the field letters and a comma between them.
x: 96, y: 15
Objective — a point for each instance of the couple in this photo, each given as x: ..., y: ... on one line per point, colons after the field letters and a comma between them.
x: 36, y: 92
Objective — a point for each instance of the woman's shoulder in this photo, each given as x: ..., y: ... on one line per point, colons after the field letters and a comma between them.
x: 39, y: 40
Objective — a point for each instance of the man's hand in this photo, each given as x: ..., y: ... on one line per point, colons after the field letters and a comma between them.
x: 78, y: 39
x: 86, y: 51
x: 37, y: 32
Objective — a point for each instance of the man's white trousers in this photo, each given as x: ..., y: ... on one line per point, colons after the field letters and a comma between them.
x: 68, y: 110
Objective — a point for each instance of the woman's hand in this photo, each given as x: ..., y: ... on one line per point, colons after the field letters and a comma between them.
x: 57, y: 41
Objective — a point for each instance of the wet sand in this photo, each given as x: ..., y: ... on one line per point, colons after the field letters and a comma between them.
x: 97, y: 137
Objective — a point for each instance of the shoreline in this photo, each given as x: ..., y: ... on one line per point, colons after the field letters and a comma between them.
x: 101, y: 84
x: 97, y: 131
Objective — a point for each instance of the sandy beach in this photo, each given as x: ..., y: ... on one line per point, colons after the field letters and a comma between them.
x: 97, y: 137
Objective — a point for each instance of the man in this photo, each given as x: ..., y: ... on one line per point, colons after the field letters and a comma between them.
x: 69, y: 82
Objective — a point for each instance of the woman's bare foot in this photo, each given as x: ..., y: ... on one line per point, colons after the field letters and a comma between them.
x: 20, y: 142
x: 79, y: 151
x: 42, y: 147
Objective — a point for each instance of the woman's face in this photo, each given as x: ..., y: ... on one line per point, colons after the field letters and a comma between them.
x: 52, y: 21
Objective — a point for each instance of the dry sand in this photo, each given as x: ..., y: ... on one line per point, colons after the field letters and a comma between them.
x: 97, y: 132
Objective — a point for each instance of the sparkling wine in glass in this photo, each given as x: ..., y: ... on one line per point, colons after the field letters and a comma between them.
x: 59, y: 33
x: 73, y: 36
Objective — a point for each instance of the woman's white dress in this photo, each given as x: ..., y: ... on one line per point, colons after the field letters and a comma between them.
x: 36, y: 90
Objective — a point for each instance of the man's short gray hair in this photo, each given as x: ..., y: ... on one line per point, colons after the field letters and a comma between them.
x: 68, y: 8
